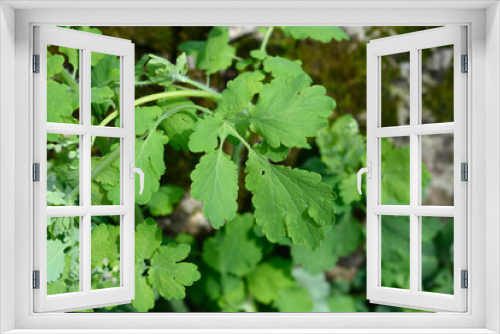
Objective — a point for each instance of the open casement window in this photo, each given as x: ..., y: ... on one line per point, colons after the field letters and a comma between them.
x: 84, y: 132
x: 406, y: 142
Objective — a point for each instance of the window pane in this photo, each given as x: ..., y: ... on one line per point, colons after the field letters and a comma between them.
x: 63, y: 255
x: 105, y: 89
x: 105, y: 258
x: 395, y: 173
x: 437, y: 84
x: 395, y: 89
x: 437, y: 254
x: 396, y: 251
x: 105, y: 171
x: 63, y: 84
x: 437, y: 169
x: 63, y: 170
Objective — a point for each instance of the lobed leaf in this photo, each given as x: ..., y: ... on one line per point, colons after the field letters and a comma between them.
x: 288, y: 111
x: 239, y: 92
x: 289, y: 202
x: 55, y: 259
x: 215, y: 182
x: 149, y: 158
x: 169, y: 277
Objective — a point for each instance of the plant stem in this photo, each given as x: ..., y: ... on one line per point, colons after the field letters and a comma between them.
x: 109, y: 118
x: 263, y: 46
x: 197, y: 84
x: 68, y: 79
x: 176, y: 94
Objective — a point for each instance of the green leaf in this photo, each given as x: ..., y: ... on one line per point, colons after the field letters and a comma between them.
x: 54, y: 65
x: 289, y: 202
x: 317, y: 33
x: 56, y: 198
x: 268, y: 278
x: 233, y: 249
x: 348, y: 189
x: 274, y: 154
x: 164, y: 72
x: 213, y: 55
x: 59, y: 102
x: 144, y: 295
x: 110, y: 175
x: 239, y: 92
x: 179, y: 126
x: 55, y: 259
x: 317, y: 261
x: 289, y: 111
x: 104, y: 244
x: 149, y: 158
x: 215, y: 182
x: 145, y: 119
x: 280, y: 67
x: 341, y: 146
x: 206, y: 134
x: 56, y: 287
x: 102, y: 94
x: 148, y: 237
x: 293, y: 299
x: 163, y: 201
x: 258, y: 54
x: 106, y: 72
x: 168, y: 276
x: 73, y: 56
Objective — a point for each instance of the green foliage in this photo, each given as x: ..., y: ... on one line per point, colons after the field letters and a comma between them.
x: 270, y: 243
x: 213, y: 55
x: 162, y: 202
x: 322, y: 34
x: 234, y: 250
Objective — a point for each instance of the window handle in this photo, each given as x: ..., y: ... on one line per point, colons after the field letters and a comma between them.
x: 139, y: 171
x: 368, y: 171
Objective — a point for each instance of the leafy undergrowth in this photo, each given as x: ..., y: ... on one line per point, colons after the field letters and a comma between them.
x: 283, y: 252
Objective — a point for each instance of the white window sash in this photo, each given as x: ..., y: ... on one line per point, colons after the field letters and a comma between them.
x: 86, y: 43
x: 412, y: 43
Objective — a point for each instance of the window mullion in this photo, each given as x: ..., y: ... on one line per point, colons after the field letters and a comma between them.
x: 85, y: 180
x: 414, y: 173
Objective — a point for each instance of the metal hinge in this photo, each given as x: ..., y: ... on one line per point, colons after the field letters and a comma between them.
x: 464, y: 279
x: 465, y: 64
x: 36, y: 279
x: 36, y: 63
x: 36, y: 172
x: 464, y: 171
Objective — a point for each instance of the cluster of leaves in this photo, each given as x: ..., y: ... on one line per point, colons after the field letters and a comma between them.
x: 156, y: 264
x: 281, y: 255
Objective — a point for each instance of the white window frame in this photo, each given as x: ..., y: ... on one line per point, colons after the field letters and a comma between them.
x: 413, y: 44
x: 86, y: 43
x: 483, y: 20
